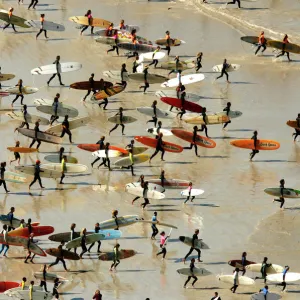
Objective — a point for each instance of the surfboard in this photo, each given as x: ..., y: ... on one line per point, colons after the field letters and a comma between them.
x: 289, y: 277
x: 36, y: 230
x: 151, y: 142
x: 151, y: 78
x: 270, y: 296
x: 96, y: 22
x: 86, y: 85
x: 73, y: 124
x: 4, y: 93
x: 50, y: 277
x: 231, y: 68
x: 194, y: 192
x: 111, y: 153
x: 200, y: 140
x: 242, y: 280
x: 292, y: 124
x: 160, y: 113
x: 26, y: 90
x: 90, y: 238
x: 149, y: 56
x: 251, y: 39
x: 171, y: 65
x: 261, y: 144
x: 164, y: 42
x: 173, y: 94
x: 95, y: 147
x: 158, y: 224
x: 45, y: 174
x: 237, y: 263
x: 232, y: 114
x: 70, y: 168
x: 137, y: 47
x: 210, y: 120
x: 287, y: 193
x: 116, y: 75
x: 109, y: 40
x: 42, y: 136
x: 18, y: 21
x: 122, y: 222
x: 18, y: 115
x: 126, y: 119
x: 124, y: 253
x: 5, y: 110
x: 151, y: 186
x: 21, y: 149
x: 137, y: 159
x: 47, y: 25
x: 165, y: 132
x: 196, y: 272
x: 199, y: 244
x: 13, y: 291
x: 273, y: 269
x: 108, y: 92
x: 290, y: 47
x: 126, y: 31
x: 190, y: 106
x: 6, y: 77
x: 171, y: 183
x: 66, y: 254
x: 51, y: 69
x: 15, y: 177
x: 138, y: 191
x: 186, y: 79
x: 62, y: 110
x: 15, y: 222
x: 6, y: 285
x: 54, y: 158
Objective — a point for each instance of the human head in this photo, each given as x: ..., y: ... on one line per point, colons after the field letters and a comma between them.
x: 155, y: 213
x: 37, y: 162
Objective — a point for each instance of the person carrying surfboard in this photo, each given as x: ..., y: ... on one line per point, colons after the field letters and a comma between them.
x: 154, y: 61
x: 297, y: 130
x: 159, y: 147
x: 123, y: 71
x: 255, y: 141
x: 90, y: 22
x: 116, y: 261
x: 193, y: 143
x: 30, y: 240
x: 55, y: 104
x: 136, y: 63
x: 130, y: 148
x: 177, y: 62
x: 63, y: 169
x: 182, y: 110
x: 153, y: 226
x: 101, y: 147
x: 223, y: 71
x: 96, y: 229
x: 91, y: 87
x: 106, y: 160
x: 190, y: 187
x: 204, y: 117
x: 25, y: 122
x: 37, y: 176
x: 115, y: 46
x: 42, y: 19
x: 109, y: 30
x: 4, y: 232
x: 162, y: 178
x: 59, y: 258
x: 281, y: 198
x: 163, y: 240
x: 169, y: 41
x: 142, y: 182
x: 16, y: 154
x: 145, y: 196
x: 192, y: 267
x: 57, y: 283
x: 120, y: 114
x: 263, y: 270
x: 227, y: 109
x: 285, y: 42
x: 83, y: 242
x: 194, y: 239
x: 147, y: 85
x: 43, y: 282
x: 20, y: 93
x: 235, y: 280
x: 58, y: 71
x: 261, y: 43
x: 198, y: 61
x: 2, y: 176
x: 10, y: 14
x: 115, y: 216
x: 10, y: 216
x: 154, y: 117
x: 283, y: 283
x: 66, y: 128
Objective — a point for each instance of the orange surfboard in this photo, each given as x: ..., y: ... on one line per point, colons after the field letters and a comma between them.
x: 36, y: 230
x: 95, y: 147
x: 262, y: 144
x: 292, y: 124
x: 22, y: 149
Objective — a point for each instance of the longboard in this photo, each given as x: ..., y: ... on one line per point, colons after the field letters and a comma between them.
x: 273, y: 269
x: 18, y: 115
x: 237, y: 263
x: 36, y: 230
x: 22, y: 149
x: 151, y: 186
x: 242, y: 280
x: 136, y: 159
x: 186, y: 79
x: 47, y: 25
x: 125, y: 119
x: 164, y: 42
x: 73, y: 124
x: 54, y: 158
x: 261, y: 144
x: 108, y: 92
x: 42, y: 136
x: 187, y: 105
x: 70, y: 168
x: 124, y: 253
x: 199, y: 244
x: 44, y: 174
x: 171, y: 183
x: 160, y: 113
x: 85, y: 85
x: 62, y: 110
x: 62, y: 68
x: 66, y: 254
x: 287, y: 193
x: 18, y: 21
x: 196, y: 272
x: 90, y: 238
x: 210, y: 120
x: 173, y: 94
x: 96, y: 22
x: 138, y: 191
x: 5, y: 77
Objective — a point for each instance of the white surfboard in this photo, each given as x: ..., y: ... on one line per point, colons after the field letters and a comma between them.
x: 273, y: 269
x: 194, y: 192
x: 242, y: 280
x: 151, y: 194
x: 231, y: 68
x: 186, y: 79
x: 111, y: 153
x: 160, y: 113
x: 232, y: 114
x: 116, y: 75
x: 173, y: 94
x: 62, y: 110
x: 75, y: 123
x: 289, y: 277
x: 47, y: 25
x: 45, y: 174
x: 18, y: 115
x: 70, y: 168
x: 26, y: 90
x: 149, y: 56
x: 165, y: 132
x: 51, y: 69
x: 151, y: 186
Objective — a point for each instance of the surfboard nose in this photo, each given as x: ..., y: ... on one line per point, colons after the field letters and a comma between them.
x: 182, y: 238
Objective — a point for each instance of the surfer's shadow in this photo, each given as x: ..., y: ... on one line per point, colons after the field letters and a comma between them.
x: 254, y: 8
x: 159, y: 209
x: 205, y: 205
x: 214, y: 156
x: 127, y: 271
x: 273, y: 160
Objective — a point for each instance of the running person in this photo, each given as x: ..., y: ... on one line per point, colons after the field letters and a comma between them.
x: 263, y: 270
x: 261, y: 43
x: 10, y: 14
x: 115, y: 46
x: 190, y: 187
x: 199, y: 61
x: 141, y: 181
x: 255, y: 142
x: 25, y: 115
x: 130, y: 148
x: 194, y: 241
x: 116, y: 261
x: 297, y: 130
x: 147, y: 85
x: 182, y: 112
x: 33, y: 4
x: 283, y: 283
x: 223, y: 71
x: 4, y: 232
x: 55, y: 105
x: 204, y: 118
x: 154, y: 117
x: 281, y: 190
x: 145, y: 195
x: 192, y: 275
x: 91, y: 87
x: 163, y: 240
x: 154, y: 60
x: 2, y: 176
x: 35, y: 139
x: 90, y: 22
x: 285, y: 42
x: 235, y: 1
x: 97, y: 230
x: 106, y: 160
x: 66, y: 128
x: 20, y: 92
x: 193, y: 143
x: 235, y: 280
x: 162, y: 178
x: 29, y: 242
x: 135, y: 64
x: 58, y: 71
x: 10, y: 216
x: 37, y: 176
x: 177, y: 62
x: 120, y: 122
x: 168, y: 41
x: 16, y: 154
x: 227, y: 109
x: 159, y: 147
x: 59, y: 258
x: 244, y: 262
x: 43, y: 282
x: 55, y: 288
x: 153, y: 226
x: 83, y: 242
x: 63, y: 168
x: 42, y: 19
x: 123, y: 76
x: 101, y: 147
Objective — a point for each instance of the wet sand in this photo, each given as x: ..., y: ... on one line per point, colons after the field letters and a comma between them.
x: 233, y: 215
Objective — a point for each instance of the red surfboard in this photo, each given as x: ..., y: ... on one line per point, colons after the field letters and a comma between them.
x: 236, y: 263
x: 95, y: 147
x: 36, y: 230
x: 7, y: 285
x: 188, y: 136
x: 190, y: 106
x: 169, y: 147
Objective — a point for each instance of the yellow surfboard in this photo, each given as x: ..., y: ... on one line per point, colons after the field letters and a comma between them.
x: 95, y: 21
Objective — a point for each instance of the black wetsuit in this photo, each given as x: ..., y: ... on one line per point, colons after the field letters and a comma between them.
x: 97, y: 229
x: 193, y: 143
x: 83, y: 245
x: 120, y: 114
x: 101, y: 147
x: 145, y: 80
x: 203, y: 126
x: 234, y: 1
x: 92, y: 87
x: 227, y: 109
x: 57, y: 65
x: 44, y: 281
x: 106, y: 160
x: 192, y: 266
x: 66, y: 130
x: 20, y: 94
x: 254, y: 151
x: 59, y: 258
x: 281, y: 199
x: 223, y: 71
x: 154, y: 117
x: 145, y: 192
x: 195, y: 238
x: 35, y: 139
x: 2, y: 178
x: 297, y: 131
x: 176, y: 66
x: 37, y: 176
x: 198, y: 61
x: 159, y: 147
x: 25, y: 122
x: 54, y: 117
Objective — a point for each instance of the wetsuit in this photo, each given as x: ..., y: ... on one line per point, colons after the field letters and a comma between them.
x: 297, y: 131
x: 83, y: 245
x: 25, y: 122
x: 134, y: 66
x: 59, y: 258
x: 154, y: 117
x: 97, y: 229
x: 115, y: 46
x: 265, y: 292
x: 244, y: 263
x: 33, y: 4
x: 42, y: 28
x: 44, y: 281
x: 29, y: 252
x: 20, y: 94
x: 145, y: 80
x: 223, y: 71
x: 154, y: 228
x: 91, y: 88
x: 203, y: 126
x: 120, y: 114
x: 189, y: 195
x: 12, y: 25
x: 193, y: 143
x: 58, y: 71
x: 63, y: 170
x: 123, y: 81
x: 2, y: 178
x: 194, y: 239
x: 145, y: 192
x: 182, y: 112
x: 54, y: 117
x: 101, y: 147
x: 10, y: 216
x: 116, y: 258
x: 35, y: 139
x: 176, y: 59
x: 154, y: 61
x: 198, y: 62
x: 227, y: 109
x: 192, y: 267
x: 261, y: 44
x: 162, y: 245
x: 106, y: 160
x: 168, y: 46
x: 142, y: 181
x: 116, y: 220
x: 285, y: 41
x: 162, y: 179
x: 55, y: 290
x: 130, y: 149
x: 254, y: 151
x: 234, y: 1
x: 90, y: 24
x: 281, y: 199
x: 37, y: 176
x: 66, y: 130
x: 159, y: 147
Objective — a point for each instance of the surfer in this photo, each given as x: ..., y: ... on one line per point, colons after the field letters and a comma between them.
x: 153, y: 226
x: 162, y: 178
x: 261, y: 43
x: 154, y: 61
x: 227, y: 109
x: 263, y: 270
x: 63, y: 168
x: 115, y: 217
x: 43, y: 282
x: 25, y: 121
x: 283, y: 283
x: 66, y: 128
x: 265, y: 291
x: 106, y: 160
x: 90, y: 22
x: 109, y: 30
x: 122, y: 25
x: 61, y: 154
x: 194, y: 240
x: 42, y: 19
x: 98, y: 295
x: 10, y: 14
x: 73, y: 235
x: 145, y: 195
x: 235, y: 280
x: 297, y: 130
x: 4, y: 232
x: 204, y: 118
x: 116, y: 261
x: 159, y: 147
x: 177, y: 61
x: 254, y: 151
x: 285, y: 42
x: 2, y: 176
x: 168, y: 41
x: 10, y: 216
x: 101, y: 147
x: 20, y: 92
x: 141, y: 181
x: 235, y: 1
x: 244, y: 262
x: 37, y: 171
x: 55, y: 288
x: 192, y: 275
x: 59, y: 258
x: 198, y: 61
x: 91, y: 87
x: 83, y: 242
x: 23, y: 283
x: 163, y: 239
x: 119, y: 122
x: 33, y: 4
x: 190, y: 187
x: 154, y: 117
x: 123, y: 74
x: 130, y: 148
x: 145, y: 79
x: 29, y: 242
x: 223, y: 71
x: 55, y: 104
x: 281, y: 190
x: 193, y: 143
x: 182, y: 112
x: 180, y: 89
x: 16, y: 154
x: 216, y: 296
x: 96, y: 229
x: 115, y: 46
x: 31, y: 289
x: 135, y: 64
x: 58, y: 71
